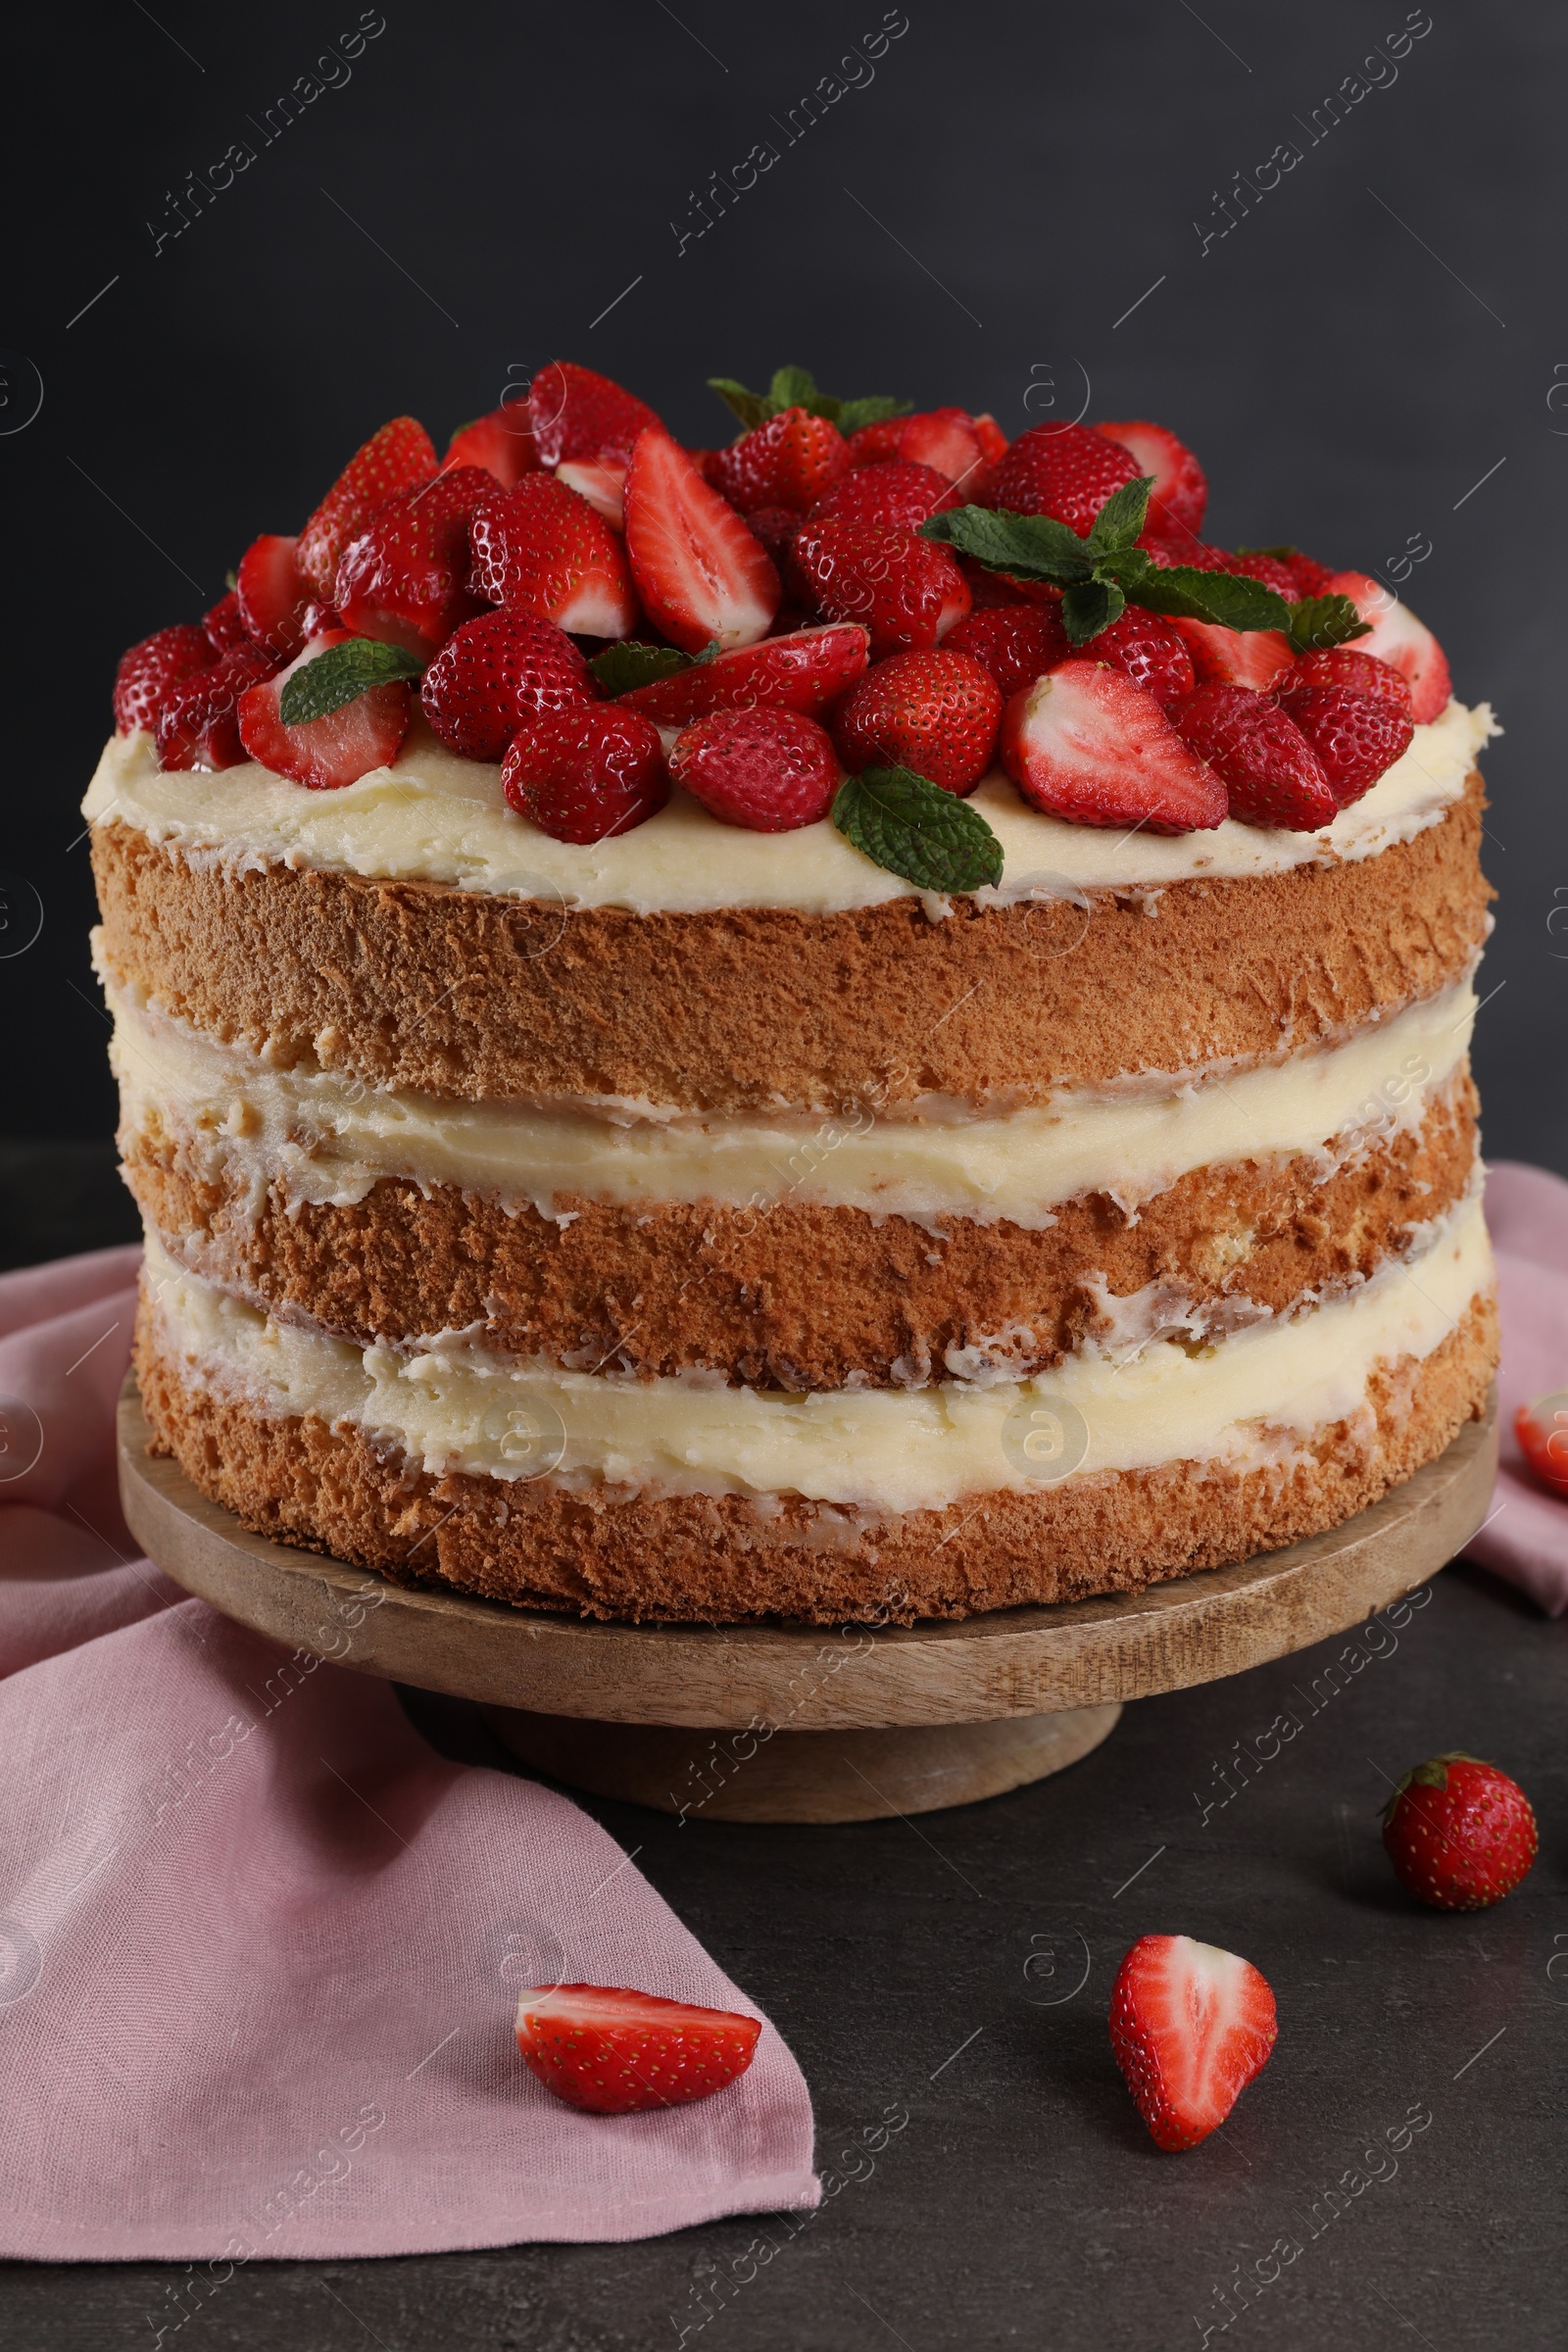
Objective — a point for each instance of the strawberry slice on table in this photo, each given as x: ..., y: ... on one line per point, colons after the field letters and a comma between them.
x: 1223, y: 656
x: 771, y: 771
x: 900, y: 494
x: 1190, y: 2026
x: 787, y: 460
x: 935, y: 711
x: 1061, y: 469
x: 1271, y: 775
x: 906, y: 590
x: 540, y: 547
x: 405, y: 579
x: 502, y: 442
x: 1086, y: 744
x: 576, y: 414
x: 274, y: 595
x: 397, y: 459
x: 586, y: 771
x: 1406, y: 644
x: 224, y: 625
x: 602, y: 481
x: 615, y: 2051
x: 804, y: 671
x: 1459, y: 1832
x: 325, y: 753
x: 149, y: 671
x: 496, y: 673
x: 702, y: 576
x: 197, y: 723
x: 1180, y: 495
x: 1017, y: 642
x: 1541, y: 1429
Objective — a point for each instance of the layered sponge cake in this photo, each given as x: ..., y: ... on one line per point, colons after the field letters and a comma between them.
x: 708, y: 1034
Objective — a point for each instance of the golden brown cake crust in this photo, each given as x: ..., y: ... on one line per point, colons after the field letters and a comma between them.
x: 603, y: 1552
x: 447, y: 992
x: 796, y: 1296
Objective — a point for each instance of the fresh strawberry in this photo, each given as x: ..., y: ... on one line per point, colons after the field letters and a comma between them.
x: 1221, y: 657
x: 1061, y: 469
x: 273, y: 596
x: 197, y: 725
x: 400, y: 458
x: 885, y: 579
x: 540, y: 547
x: 1190, y: 2026
x: 774, y: 528
x: 150, y: 670
x: 405, y: 579
x: 805, y: 672
x: 1016, y: 643
x: 702, y: 577
x: 1269, y: 770
x: 586, y: 771
x: 899, y: 494
x: 997, y: 591
x: 223, y: 624
x: 1357, y: 673
x: 771, y: 771
x: 1542, y: 1428
x: 1310, y: 577
x: 1460, y: 1833
x: 1401, y: 640
x: 602, y: 481
x: 788, y: 460
x: 936, y: 712
x: 502, y: 443
x: 1180, y: 494
x: 1147, y: 649
x: 1357, y: 736
x: 875, y: 444
x: 576, y: 414
x: 1086, y: 744
x: 494, y: 673
x: 950, y: 441
x: 327, y: 753
x: 993, y: 443
x: 1253, y: 566
x: 614, y: 2051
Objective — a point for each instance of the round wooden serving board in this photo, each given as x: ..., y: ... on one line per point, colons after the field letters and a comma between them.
x: 808, y: 1723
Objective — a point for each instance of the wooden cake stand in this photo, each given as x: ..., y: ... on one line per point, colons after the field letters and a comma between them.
x: 789, y: 1722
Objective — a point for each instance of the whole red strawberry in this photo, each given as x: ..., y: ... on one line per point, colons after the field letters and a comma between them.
x: 898, y: 492
x: 886, y: 579
x: 1459, y: 1832
x: 1359, y: 672
x: 198, y: 723
x: 936, y: 712
x: 223, y: 624
x: 1016, y: 643
x: 1061, y: 469
x: 540, y: 547
x: 576, y: 414
x: 405, y: 579
x: 149, y: 671
x: 1542, y: 1428
x: 771, y: 771
x: 1357, y: 736
x: 1190, y: 2027
x: 788, y: 460
x: 585, y: 772
x: 1310, y: 577
x: 494, y: 673
x: 615, y: 2052
x: 395, y: 460
x: 1269, y: 770
x: 1147, y: 649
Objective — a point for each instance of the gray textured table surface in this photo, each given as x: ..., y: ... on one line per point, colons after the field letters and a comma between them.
x: 1397, y: 2171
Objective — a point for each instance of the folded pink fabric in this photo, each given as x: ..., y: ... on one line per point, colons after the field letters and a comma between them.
x: 260, y: 1946
x: 1525, y: 1538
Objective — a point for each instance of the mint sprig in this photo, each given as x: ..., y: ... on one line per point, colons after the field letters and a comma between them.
x: 1318, y: 622
x: 912, y: 828
x: 341, y: 675
x: 621, y: 668
x: 796, y: 388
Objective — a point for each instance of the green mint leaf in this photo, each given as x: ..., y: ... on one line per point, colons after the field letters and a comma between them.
x: 1320, y: 621
x: 1089, y: 606
x: 796, y: 388
x: 751, y: 407
x: 1036, y: 545
x: 341, y: 675
x: 1122, y: 518
x: 911, y: 827
x: 876, y: 408
x: 1128, y: 567
x: 621, y: 668
x: 1228, y: 597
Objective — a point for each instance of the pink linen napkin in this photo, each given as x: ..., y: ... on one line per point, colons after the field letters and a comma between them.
x: 260, y: 1946
x: 1525, y: 1538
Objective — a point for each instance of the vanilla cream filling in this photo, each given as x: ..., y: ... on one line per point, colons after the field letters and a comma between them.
x: 316, y: 1136
x: 434, y: 818
x: 1241, y: 1401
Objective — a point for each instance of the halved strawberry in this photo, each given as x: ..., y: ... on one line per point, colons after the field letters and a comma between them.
x: 885, y: 579
x: 771, y: 771
x: 702, y: 575
x: 1271, y: 775
x: 1252, y: 658
x: 1354, y: 710
x: 1087, y: 744
x: 196, y: 725
x: 224, y: 625
x: 1061, y: 469
x: 788, y: 460
x: 804, y: 671
x: 1542, y: 1428
x: 948, y: 440
x: 1401, y: 640
x: 576, y: 414
x: 1147, y: 649
x: 1180, y: 494
x: 586, y: 771
x: 935, y: 711
x: 899, y: 494
x: 152, y: 668
x: 1017, y: 643
x: 502, y: 443
x: 540, y: 547
x: 1357, y: 673
x: 496, y: 673
x: 325, y: 753
x: 274, y: 595
x: 614, y: 2051
x: 1190, y: 2026
x: 602, y: 481
x: 397, y: 459
x: 405, y: 579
